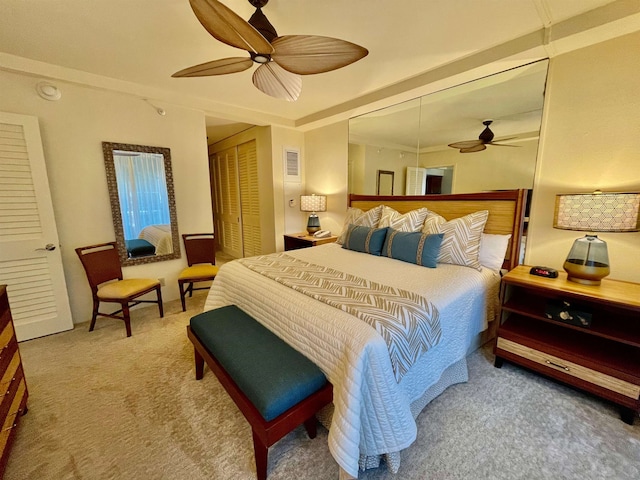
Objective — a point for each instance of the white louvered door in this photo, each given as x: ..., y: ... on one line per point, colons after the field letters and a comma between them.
x: 30, y: 259
x: 416, y: 181
x: 227, y: 195
x: 249, y: 199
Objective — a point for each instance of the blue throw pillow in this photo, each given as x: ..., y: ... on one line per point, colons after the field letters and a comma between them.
x: 413, y: 247
x: 364, y: 239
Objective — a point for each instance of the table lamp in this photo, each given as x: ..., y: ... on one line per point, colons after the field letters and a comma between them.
x: 588, y: 259
x: 313, y: 203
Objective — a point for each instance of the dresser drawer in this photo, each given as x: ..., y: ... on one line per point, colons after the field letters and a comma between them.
x: 14, y: 414
x: 9, y: 384
x: 6, y: 335
x: 608, y: 382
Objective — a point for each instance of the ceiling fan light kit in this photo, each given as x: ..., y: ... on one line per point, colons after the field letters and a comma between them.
x: 485, y: 138
x: 281, y: 60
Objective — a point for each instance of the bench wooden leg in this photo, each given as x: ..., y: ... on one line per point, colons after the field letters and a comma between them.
x: 311, y: 426
x: 261, y: 452
x: 199, y: 361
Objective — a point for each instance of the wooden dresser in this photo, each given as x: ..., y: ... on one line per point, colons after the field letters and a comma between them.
x: 13, y: 387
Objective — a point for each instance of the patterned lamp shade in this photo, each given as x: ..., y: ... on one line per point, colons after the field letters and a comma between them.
x: 588, y: 260
x: 598, y: 212
x: 313, y: 203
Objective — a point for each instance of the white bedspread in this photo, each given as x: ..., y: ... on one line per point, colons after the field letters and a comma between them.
x: 372, y: 413
x: 159, y: 236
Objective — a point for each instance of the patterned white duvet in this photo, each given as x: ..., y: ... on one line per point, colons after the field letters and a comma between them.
x: 372, y: 413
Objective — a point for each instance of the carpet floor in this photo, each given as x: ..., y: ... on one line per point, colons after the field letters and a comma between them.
x: 104, y: 406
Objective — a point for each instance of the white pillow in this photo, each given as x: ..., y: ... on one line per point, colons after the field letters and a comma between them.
x: 355, y: 216
x: 409, y: 222
x: 493, y: 248
x: 461, y: 241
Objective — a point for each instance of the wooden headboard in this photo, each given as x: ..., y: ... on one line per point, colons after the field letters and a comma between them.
x: 506, y: 211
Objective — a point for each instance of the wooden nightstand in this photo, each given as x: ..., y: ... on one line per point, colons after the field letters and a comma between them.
x: 602, y: 358
x: 294, y: 241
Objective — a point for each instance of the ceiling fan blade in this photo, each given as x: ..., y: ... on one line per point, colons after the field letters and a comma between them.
x: 502, y: 144
x: 477, y: 148
x: 216, y: 67
x: 309, y: 54
x: 229, y: 28
x: 275, y: 81
x: 466, y: 144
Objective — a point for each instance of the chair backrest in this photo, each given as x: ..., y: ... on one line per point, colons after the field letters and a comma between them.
x: 101, y: 262
x: 200, y: 248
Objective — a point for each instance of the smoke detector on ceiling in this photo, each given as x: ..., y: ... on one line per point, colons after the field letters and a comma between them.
x: 48, y: 91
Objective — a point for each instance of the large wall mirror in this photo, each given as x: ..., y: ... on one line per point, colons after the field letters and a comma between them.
x: 142, y: 202
x: 412, y: 139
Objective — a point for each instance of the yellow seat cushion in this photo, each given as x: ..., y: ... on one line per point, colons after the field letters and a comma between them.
x: 198, y: 271
x: 126, y: 288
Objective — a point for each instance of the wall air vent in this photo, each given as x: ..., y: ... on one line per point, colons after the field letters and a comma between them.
x: 292, y: 165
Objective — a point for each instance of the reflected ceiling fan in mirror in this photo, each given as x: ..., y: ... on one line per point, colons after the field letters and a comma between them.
x: 484, y: 139
x: 282, y: 59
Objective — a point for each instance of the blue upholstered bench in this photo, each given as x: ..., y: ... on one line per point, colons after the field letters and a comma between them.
x: 274, y: 386
x: 139, y: 248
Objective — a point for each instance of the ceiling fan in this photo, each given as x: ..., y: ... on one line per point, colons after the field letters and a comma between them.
x: 282, y: 59
x: 484, y: 139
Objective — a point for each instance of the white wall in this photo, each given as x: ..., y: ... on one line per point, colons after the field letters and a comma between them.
x: 287, y: 218
x: 72, y: 131
x: 326, y: 171
x: 591, y: 141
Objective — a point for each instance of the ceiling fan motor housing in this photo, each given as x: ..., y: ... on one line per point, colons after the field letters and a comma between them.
x: 487, y: 135
x: 260, y: 22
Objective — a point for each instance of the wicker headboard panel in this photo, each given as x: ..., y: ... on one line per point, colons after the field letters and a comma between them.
x: 506, y: 211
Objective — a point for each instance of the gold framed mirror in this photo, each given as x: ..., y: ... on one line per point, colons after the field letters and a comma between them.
x: 143, y: 206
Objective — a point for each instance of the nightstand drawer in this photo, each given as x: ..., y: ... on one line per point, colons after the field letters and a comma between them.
x: 597, y: 378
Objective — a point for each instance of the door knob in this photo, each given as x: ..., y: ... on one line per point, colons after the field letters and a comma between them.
x: 49, y: 247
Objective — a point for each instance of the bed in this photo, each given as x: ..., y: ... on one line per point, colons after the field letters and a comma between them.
x: 159, y: 236
x: 378, y: 394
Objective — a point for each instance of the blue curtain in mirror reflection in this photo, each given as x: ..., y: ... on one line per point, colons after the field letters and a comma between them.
x: 142, y: 191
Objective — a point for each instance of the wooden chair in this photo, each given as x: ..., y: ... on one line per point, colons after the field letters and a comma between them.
x: 200, y: 249
x: 102, y: 266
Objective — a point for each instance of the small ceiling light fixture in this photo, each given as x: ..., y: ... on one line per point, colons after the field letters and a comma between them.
x: 159, y: 111
x: 48, y: 91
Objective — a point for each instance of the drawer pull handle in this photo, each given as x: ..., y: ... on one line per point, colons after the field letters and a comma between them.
x: 11, y: 427
x: 566, y: 369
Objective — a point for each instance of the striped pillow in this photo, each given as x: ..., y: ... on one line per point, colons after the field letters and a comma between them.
x: 355, y: 216
x: 409, y: 222
x: 461, y: 242
x: 365, y: 239
x: 413, y: 247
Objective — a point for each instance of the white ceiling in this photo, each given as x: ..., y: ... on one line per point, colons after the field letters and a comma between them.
x: 138, y: 44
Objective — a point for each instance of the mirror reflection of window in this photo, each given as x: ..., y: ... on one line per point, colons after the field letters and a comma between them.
x: 142, y: 191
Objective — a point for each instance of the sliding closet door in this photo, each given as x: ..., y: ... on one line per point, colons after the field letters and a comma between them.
x: 249, y: 199
x: 227, y: 198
